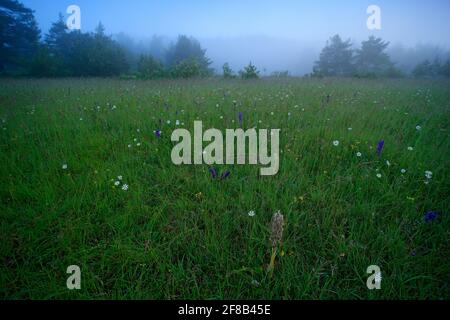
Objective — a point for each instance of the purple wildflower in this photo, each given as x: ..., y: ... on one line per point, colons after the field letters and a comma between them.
x: 431, y: 216
x: 158, y: 133
x: 225, y: 175
x: 213, y: 173
x: 380, y: 147
x: 241, y: 118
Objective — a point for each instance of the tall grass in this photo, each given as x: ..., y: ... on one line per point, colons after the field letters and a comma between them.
x: 176, y: 233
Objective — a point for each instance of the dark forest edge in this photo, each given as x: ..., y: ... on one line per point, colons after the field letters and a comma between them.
x: 24, y: 52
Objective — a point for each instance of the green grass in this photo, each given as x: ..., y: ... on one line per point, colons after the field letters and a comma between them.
x: 178, y: 234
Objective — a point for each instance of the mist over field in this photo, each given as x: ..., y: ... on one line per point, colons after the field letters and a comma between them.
x: 271, y: 53
x: 274, y: 35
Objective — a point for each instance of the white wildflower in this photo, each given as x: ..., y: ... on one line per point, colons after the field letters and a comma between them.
x: 255, y: 283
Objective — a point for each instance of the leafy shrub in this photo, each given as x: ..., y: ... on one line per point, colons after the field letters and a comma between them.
x: 186, y: 69
x: 227, y: 71
x: 186, y: 57
x: 150, y: 68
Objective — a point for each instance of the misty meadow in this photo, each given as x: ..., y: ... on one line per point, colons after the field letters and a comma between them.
x: 93, y: 206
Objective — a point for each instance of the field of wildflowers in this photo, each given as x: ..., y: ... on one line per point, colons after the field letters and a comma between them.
x: 87, y: 180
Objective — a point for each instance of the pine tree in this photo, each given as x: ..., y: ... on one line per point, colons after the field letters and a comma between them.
x: 249, y: 72
x: 372, y: 60
x: 335, y: 59
x: 57, y: 33
x: 19, y: 35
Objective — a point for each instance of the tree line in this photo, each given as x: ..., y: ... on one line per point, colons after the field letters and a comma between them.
x: 339, y: 58
x: 72, y: 53
x: 65, y: 53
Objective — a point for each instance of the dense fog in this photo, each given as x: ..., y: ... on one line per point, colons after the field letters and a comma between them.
x: 273, y: 35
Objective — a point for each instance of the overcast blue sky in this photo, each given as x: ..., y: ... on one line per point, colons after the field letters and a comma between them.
x: 409, y: 21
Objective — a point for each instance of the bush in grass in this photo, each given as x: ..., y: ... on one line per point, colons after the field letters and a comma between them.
x: 249, y: 72
x: 150, y: 68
